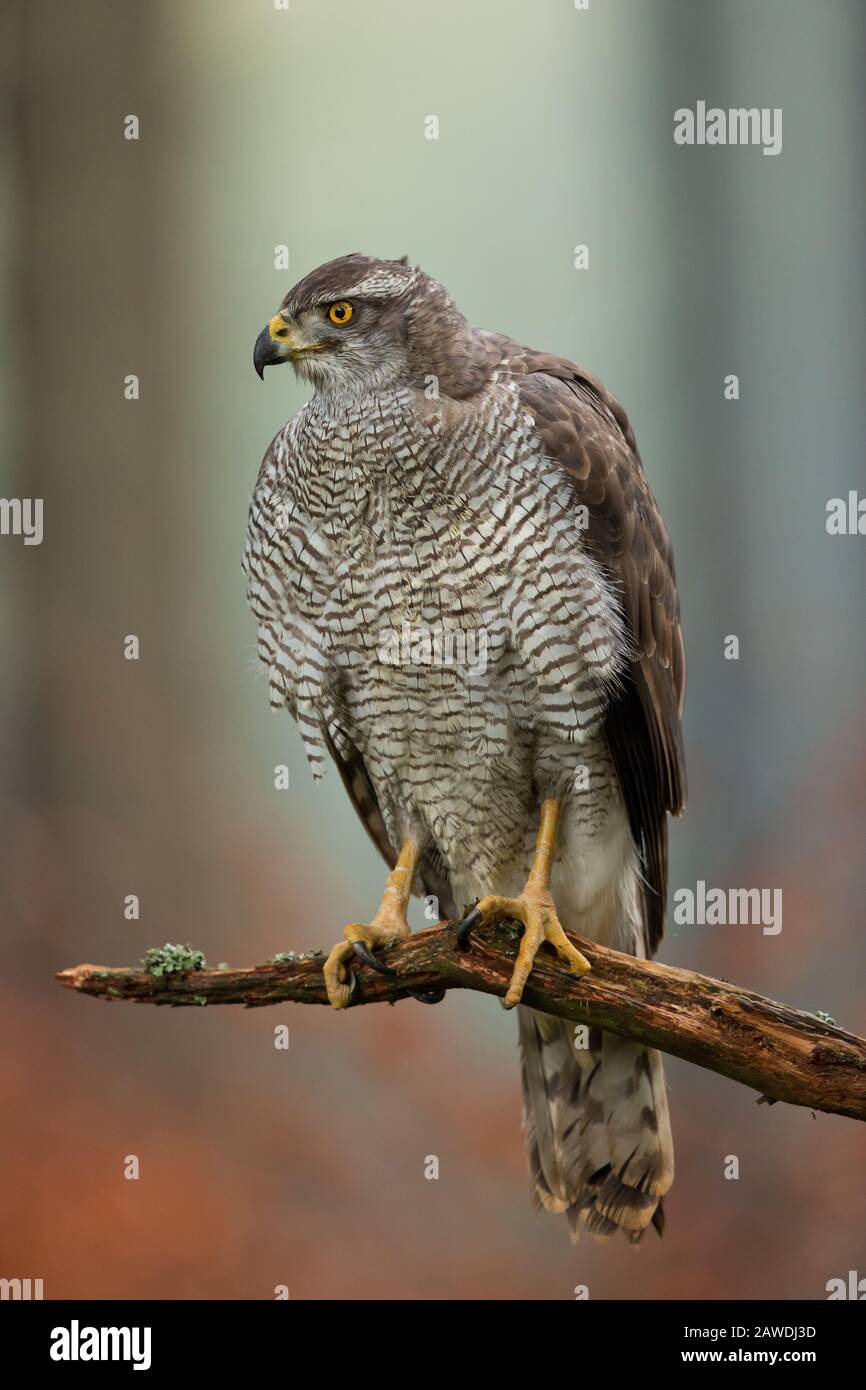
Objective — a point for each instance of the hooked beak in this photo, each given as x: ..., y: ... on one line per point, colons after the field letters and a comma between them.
x: 277, y: 341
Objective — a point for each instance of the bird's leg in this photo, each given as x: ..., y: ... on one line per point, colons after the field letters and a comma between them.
x: 534, y: 908
x: 362, y: 938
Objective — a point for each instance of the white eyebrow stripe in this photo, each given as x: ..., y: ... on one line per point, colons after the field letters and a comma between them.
x: 380, y: 285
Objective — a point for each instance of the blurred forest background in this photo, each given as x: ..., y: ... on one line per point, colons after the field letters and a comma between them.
x: 305, y: 127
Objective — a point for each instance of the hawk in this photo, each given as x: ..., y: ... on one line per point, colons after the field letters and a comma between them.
x: 465, y: 596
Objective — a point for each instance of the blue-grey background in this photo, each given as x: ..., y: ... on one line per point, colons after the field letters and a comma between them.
x: 306, y: 128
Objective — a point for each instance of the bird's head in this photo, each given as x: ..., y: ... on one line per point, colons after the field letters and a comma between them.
x: 342, y: 323
x: 359, y: 324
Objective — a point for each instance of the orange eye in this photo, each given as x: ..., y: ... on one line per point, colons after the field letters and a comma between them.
x: 340, y: 312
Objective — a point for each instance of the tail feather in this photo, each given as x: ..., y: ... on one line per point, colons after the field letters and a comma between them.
x: 597, y: 1127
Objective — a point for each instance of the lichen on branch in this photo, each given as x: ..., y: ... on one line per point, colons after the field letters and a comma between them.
x: 781, y: 1052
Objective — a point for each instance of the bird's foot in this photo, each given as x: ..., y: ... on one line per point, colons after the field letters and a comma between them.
x: 361, y: 940
x: 536, y: 910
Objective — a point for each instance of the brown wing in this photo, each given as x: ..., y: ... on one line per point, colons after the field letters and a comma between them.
x: 587, y: 432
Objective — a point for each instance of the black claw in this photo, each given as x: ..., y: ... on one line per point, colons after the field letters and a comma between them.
x: 428, y: 996
x: 472, y: 919
x: 368, y: 958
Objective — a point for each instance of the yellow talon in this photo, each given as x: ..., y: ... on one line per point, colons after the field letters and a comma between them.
x: 535, y: 908
x: 389, y: 922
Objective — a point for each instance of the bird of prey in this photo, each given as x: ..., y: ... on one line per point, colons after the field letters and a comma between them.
x: 465, y: 596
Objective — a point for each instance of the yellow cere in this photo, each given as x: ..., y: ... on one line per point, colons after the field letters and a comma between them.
x: 278, y: 328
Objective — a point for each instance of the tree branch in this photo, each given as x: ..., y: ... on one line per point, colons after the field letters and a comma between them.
x: 780, y: 1052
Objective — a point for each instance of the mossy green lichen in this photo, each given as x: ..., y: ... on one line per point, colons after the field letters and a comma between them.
x: 292, y: 957
x: 172, y: 960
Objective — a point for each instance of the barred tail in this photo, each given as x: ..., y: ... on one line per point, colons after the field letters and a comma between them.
x: 597, y: 1129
